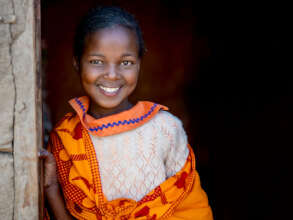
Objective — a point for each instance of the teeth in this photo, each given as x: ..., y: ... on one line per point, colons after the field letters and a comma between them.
x: 107, y: 89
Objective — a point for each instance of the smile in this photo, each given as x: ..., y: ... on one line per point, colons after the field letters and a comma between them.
x: 109, y: 91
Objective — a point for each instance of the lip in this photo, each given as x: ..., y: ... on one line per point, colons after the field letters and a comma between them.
x: 109, y: 94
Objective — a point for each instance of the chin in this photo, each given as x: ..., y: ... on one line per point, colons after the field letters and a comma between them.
x: 109, y: 104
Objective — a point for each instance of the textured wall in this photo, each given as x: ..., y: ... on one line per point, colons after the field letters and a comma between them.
x: 7, y: 102
x: 7, y: 86
x: 18, y: 114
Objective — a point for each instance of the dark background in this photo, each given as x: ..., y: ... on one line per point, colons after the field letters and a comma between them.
x: 221, y: 68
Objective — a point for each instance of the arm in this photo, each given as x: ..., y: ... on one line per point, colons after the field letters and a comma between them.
x: 52, y: 189
x: 195, y: 205
x: 178, y: 151
x: 56, y: 202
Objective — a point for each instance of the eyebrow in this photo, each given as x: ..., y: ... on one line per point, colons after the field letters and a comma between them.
x: 128, y: 55
x: 96, y: 55
x: 101, y: 55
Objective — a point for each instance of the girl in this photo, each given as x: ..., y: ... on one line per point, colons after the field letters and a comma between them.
x: 115, y: 160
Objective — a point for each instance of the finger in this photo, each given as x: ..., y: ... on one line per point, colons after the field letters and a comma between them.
x: 43, y: 154
x: 47, y: 156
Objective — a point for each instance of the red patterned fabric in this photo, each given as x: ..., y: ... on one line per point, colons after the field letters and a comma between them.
x: 180, y: 196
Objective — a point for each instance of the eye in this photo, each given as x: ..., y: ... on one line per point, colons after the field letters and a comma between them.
x: 127, y: 63
x: 96, y: 62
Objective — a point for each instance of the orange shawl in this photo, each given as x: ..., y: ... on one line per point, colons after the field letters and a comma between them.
x: 179, y: 197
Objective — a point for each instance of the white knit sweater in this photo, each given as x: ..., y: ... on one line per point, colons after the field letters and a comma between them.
x: 134, y: 162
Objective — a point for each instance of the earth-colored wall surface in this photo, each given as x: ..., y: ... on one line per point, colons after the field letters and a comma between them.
x: 18, y: 136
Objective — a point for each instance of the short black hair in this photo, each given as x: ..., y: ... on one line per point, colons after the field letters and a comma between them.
x: 105, y: 17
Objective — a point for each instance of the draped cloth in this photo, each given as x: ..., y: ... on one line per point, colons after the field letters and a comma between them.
x: 178, y: 197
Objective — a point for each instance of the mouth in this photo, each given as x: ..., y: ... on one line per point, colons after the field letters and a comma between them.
x: 109, y: 91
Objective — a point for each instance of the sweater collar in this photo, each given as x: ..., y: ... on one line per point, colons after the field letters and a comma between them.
x: 123, y: 121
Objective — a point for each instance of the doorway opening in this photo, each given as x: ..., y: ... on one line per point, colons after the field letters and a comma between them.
x: 169, y: 72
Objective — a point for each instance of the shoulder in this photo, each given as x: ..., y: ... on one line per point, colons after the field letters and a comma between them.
x: 169, y: 124
x: 166, y: 118
x: 67, y: 129
x: 68, y: 121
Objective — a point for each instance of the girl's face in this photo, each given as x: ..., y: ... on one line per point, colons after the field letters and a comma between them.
x: 109, y: 67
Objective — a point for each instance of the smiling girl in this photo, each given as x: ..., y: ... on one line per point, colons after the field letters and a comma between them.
x: 112, y: 159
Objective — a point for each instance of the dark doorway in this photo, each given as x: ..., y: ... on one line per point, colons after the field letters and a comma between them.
x: 220, y: 73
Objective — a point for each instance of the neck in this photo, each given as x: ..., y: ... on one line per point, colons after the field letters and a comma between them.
x: 99, y: 112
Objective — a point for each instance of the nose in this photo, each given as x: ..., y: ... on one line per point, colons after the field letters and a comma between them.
x: 112, y: 72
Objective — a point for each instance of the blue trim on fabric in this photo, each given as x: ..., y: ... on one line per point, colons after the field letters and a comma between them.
x: 130, y: 121
x: 81, y: 106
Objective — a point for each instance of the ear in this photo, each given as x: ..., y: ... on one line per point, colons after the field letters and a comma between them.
x: 75, y: 64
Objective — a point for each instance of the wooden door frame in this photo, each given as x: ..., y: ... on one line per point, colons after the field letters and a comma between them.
x: 38, y: 100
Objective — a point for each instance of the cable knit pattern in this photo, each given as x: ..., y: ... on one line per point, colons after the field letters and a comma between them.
x: 134, y: 162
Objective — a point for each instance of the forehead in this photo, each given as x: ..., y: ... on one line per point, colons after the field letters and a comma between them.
x: 116, y: 38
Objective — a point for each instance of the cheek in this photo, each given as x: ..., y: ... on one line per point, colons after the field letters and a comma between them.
x: 133, y: 75
x: 88, y: 76
x: 132, y: 78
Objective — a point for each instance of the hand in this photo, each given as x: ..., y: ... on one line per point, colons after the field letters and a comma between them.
x: 50, y: 175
